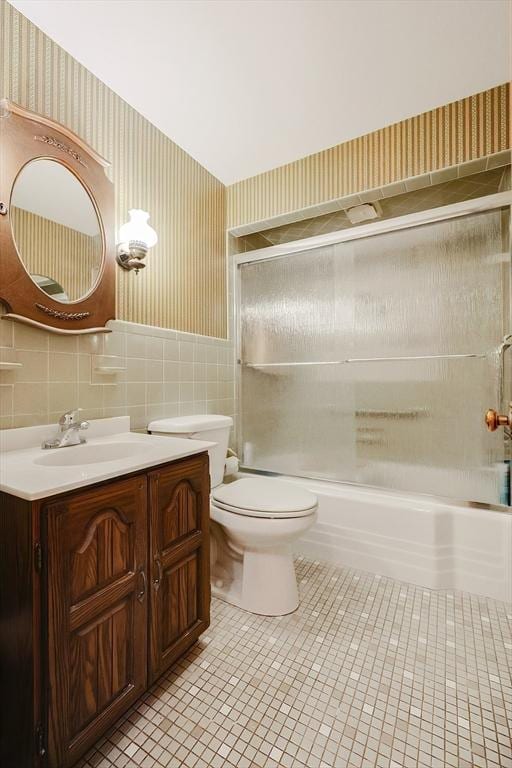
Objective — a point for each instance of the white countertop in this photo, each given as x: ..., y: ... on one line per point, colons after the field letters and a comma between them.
x: 29, y: 472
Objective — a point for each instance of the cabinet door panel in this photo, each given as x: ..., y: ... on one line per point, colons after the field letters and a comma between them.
x: 97, y: 613
x: 179, y: 594
x: 103, y: 555
x: 100, y: 662
x: 178, y: 507
x: 179, y: 554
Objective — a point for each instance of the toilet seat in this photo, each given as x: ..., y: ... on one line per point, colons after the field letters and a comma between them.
x: 264, y: 497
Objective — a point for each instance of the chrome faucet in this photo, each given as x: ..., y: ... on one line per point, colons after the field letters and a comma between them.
x: 69, y: 427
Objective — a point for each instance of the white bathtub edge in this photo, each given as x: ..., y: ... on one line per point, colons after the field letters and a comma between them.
x: 426, y: 542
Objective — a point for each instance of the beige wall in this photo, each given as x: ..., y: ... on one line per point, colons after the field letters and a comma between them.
x: 457, y: 133
x: 183, y: 286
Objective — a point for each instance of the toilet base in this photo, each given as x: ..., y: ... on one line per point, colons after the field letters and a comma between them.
x: 251, y: 561
x: 260, y: 581
x: 270, y: 585
x: 264, y: 583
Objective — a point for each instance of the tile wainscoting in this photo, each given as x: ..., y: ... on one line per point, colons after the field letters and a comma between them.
x: 161, y: 373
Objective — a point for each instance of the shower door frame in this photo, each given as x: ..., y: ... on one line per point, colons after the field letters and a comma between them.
x: 500, y: 200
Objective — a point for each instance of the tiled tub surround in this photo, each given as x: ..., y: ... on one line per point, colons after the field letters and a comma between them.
x: 369, y: 672
x: 162, y: 373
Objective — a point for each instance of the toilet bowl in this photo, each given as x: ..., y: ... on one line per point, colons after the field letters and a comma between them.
x: 259, y: 519
x: 254, y: 521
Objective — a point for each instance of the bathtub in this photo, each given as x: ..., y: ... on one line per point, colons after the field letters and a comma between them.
x: 435, y: 544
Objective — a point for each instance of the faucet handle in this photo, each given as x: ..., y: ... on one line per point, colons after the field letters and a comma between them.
x: 69, y: 418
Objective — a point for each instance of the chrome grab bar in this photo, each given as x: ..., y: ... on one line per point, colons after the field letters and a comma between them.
x: 505, y: 344
x: 361, y: 360
x: 412, y: 357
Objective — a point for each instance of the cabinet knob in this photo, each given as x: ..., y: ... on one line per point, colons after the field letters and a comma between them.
x: 158, y: 580
x: 141, y: 595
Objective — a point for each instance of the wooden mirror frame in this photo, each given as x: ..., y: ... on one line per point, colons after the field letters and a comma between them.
x: 26, y: 136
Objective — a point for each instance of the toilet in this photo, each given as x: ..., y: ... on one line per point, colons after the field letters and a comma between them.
x: 254, y: 521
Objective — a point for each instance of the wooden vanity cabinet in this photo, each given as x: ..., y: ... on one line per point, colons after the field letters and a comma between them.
x: 102, y: 590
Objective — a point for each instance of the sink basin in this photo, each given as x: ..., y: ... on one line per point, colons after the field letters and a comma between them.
x: 29, y: 472
x: 76, y: 455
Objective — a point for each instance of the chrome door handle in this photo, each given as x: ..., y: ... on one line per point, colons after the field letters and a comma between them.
x: 141, y: 595
x: 158, y: 580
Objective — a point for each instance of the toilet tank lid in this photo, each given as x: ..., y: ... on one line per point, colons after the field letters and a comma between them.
x: 186, y: 424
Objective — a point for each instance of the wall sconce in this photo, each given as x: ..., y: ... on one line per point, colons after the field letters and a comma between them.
x: 136, y: 237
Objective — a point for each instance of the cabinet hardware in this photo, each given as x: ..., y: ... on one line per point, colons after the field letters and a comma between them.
x: 142, y: 593
x: 38, y: 557
x: 40, y: 741
x: 158, y: 580
x: 493, y: 419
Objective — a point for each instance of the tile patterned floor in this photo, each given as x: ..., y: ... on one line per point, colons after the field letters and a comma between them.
x: 369, y: 672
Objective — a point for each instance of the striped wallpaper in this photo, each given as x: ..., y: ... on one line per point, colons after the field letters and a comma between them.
x: 45, y: 247
x: 184, y: 284
x: 456, y: 133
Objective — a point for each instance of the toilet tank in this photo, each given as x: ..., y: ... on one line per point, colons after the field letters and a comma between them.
x: 211, y: 428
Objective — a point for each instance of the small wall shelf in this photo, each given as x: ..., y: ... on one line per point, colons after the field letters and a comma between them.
x: 7, y: 366
x: 107, y: 365
x: 108, y: 369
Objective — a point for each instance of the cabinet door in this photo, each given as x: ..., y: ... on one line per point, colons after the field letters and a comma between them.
x: 97, y: 613
x: 179, y: 516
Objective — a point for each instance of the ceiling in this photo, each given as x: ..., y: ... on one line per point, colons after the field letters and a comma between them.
x: 247, y: 85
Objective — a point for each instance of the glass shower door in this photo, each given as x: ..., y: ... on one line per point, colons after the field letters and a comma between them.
x: 373, y: 361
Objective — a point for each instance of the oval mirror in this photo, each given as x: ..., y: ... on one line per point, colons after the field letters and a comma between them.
x: 56, y: 229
